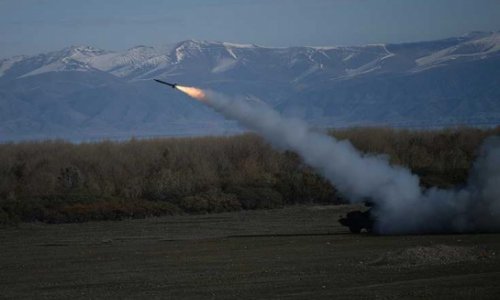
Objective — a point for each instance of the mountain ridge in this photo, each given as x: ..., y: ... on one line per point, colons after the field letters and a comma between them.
x: 83, y: 92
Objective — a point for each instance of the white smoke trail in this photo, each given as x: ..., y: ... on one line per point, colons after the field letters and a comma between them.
x: 402, y: 206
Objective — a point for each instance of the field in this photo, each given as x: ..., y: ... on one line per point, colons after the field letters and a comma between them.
x: 225, y: 218
x: 298, y: 252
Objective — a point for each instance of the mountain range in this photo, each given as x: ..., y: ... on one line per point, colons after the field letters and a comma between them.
x: 83, y: 93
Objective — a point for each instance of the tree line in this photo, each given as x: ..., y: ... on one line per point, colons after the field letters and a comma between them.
x: 58, y: 181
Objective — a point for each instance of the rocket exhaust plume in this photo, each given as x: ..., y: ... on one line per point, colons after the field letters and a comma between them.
x: 402, y: 206
x: 192, y: 92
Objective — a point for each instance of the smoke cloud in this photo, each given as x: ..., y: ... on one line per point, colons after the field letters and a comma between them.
x: 401, y: 205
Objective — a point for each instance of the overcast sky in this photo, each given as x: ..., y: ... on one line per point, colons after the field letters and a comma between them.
x: 32, y: 26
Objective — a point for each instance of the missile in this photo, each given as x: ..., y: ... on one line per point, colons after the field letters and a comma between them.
x: 191, y: 91
x: 172, y: 85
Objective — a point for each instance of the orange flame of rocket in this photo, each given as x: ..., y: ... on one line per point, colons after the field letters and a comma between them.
x: 192, y: 91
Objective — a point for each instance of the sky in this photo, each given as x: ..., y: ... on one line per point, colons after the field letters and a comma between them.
x: 34, y: 26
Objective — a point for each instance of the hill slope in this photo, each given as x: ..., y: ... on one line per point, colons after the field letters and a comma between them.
x: 81, y: 92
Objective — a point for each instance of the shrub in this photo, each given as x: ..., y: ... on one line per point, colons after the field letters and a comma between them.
x: 257, y: 197
x: 210, y: 202
x: 56, y: 181
x: 109, y: 210
x: 220, y: 202
x: 194, y: 204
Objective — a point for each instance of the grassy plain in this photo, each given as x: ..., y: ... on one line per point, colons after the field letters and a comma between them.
x: 298, y: 252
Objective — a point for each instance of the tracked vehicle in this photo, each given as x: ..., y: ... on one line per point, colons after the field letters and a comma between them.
x: 358, y: 220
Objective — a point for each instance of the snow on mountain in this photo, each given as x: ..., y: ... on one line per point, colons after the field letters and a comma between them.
x: 475, y: 49
x: 144, y: 62
x: 123, y: 64
x: 74, y: 58
x: 6, y: 64
x: 65, y: 64
x: 82, y: 91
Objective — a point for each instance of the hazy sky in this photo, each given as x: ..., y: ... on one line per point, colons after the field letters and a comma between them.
x: 32, y: 26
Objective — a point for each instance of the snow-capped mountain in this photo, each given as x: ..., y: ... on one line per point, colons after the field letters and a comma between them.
x: 83, y: 92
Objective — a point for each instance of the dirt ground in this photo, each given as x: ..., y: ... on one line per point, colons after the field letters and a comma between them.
x: 293, y: 253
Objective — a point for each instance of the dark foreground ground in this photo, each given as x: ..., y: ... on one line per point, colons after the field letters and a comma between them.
x: 294, y: 253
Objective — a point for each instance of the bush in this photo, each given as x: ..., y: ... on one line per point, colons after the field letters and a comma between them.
x: 257, y: 197
x: 210, y: 202
x: 60, y: 210
x: 304, y: 186
x: 56, y: 181
x: 221, y: 202
x: 110, y: 210
x: 194, y: 204
x: 26, y: 210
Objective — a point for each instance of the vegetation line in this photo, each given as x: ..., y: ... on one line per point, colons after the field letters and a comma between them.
x: 59, y: 182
